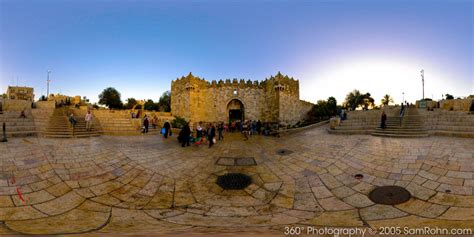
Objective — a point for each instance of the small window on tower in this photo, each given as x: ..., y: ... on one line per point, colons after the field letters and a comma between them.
x: 235, y: 91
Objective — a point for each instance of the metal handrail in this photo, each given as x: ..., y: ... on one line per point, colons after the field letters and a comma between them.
x: 402, y: 114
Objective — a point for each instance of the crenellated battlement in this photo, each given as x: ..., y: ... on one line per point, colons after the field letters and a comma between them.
x: 280, y: 81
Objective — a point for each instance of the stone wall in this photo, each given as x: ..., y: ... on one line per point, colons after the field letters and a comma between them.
x: 45, y: 105
x: 304, y: 108
x: 16, y: 105
x: 275, y: 99
x: 456, y: 104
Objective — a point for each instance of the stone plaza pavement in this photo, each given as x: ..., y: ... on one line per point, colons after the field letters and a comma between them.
x: 148, y: 185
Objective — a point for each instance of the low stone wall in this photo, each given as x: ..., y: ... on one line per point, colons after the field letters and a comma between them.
x: 456, y: 104
x: 45, y: 105
x: 305, y: 107
x: 16, y: 105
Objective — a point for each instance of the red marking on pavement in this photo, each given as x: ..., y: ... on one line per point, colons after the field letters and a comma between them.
x: 21, y: 196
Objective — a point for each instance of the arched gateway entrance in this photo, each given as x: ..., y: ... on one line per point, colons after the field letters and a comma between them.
x: 235, y: 109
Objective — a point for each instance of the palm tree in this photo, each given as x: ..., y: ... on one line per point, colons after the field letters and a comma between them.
x: 355, y: 99
x: 387, y: 99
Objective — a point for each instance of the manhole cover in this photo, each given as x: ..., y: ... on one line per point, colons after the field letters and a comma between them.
x: 234, y: 181
x: 359, y: 176
x: 389, y: 195
x: 284, y: 152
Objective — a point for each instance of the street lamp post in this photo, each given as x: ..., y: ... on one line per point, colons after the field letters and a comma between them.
x: 47, y: 83
x: 403, y: 97
x: 423, y: 81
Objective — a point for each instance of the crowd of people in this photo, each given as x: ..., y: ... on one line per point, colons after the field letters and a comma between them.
x: 205, y: 133
x: 146, y: 122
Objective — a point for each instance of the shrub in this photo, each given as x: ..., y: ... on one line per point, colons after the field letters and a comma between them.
x: 178, y: 122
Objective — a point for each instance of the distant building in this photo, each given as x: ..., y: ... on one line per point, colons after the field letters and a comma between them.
x: 65, y: 99
x: 20, y: 93
x: 76, y: 100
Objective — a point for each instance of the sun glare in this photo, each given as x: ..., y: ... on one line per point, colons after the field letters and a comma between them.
x: 401, y: 80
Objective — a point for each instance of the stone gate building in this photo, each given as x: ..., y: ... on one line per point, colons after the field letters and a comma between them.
x: 275, y: 99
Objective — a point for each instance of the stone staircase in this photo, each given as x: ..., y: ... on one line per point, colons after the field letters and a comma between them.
x: 60, y: 127
x: 16, y: 126
x: 361, y: 122
x: 448, y: 123
x: 117, y: 126
x: 410, y: 126
x: 80, y: 128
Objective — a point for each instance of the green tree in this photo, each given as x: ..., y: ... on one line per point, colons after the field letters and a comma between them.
x: 387, y: 99
x: 110, y: 97
x: 332, y: 106
x: 356, y: 99
x: 130, y: 103
x: 368, y: 101
x: 150, y: 105
x: 165, y: 102
x: 323, y: 109
x: 449, y: 97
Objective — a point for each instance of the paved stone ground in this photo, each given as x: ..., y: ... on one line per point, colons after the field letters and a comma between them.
x: 148, y: 185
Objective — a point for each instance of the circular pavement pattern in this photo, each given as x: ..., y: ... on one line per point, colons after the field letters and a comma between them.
x: 150, y: 185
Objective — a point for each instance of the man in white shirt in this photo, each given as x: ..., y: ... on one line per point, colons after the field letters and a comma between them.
x: 88, y: 120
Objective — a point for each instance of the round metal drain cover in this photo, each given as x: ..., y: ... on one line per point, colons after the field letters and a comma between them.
x: 389, y: 195
x: 284, y: 152
x: 234, y: 181
x: 359, y: 176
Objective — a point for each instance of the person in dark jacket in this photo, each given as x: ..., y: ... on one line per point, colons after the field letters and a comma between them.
x: 384, y: 118
x: 184, y: 135
x: 146, y: 123
x: 220, y: 129
x: 211, y: 132
x: 259, y: 127
x: 167, y: 127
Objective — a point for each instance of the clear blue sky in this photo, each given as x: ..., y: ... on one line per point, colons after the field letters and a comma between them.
x: 332, y: 47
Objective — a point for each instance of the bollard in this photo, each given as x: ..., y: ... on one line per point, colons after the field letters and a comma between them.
x: 4, y: 139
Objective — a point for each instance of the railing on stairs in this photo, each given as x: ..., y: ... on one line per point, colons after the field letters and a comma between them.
x: 402, y: 115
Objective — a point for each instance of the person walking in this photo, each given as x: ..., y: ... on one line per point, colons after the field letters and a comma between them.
x: 259, y: 127
x: 22, y: 114
x: 220, y: 129
x: 184, y: 135
x: 88, y: 119
x: 167, y: 127
x: 72, y: 120
x: 244, y: 130
x: 146, y: 124
x: 211, y: 133
x: 154, y: 121
x: 384, y: 118
x: 254, y: 127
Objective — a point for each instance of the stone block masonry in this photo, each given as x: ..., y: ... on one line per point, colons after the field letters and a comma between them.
x: 275, y: 99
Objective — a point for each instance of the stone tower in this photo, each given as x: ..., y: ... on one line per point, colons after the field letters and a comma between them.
x: 275, y: 100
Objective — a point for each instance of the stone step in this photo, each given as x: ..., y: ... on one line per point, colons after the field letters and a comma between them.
x: 399, y: 131
x: 453, y: 133
x: 351, y: 131
x: 21, y: 133
x: 400, y: 135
